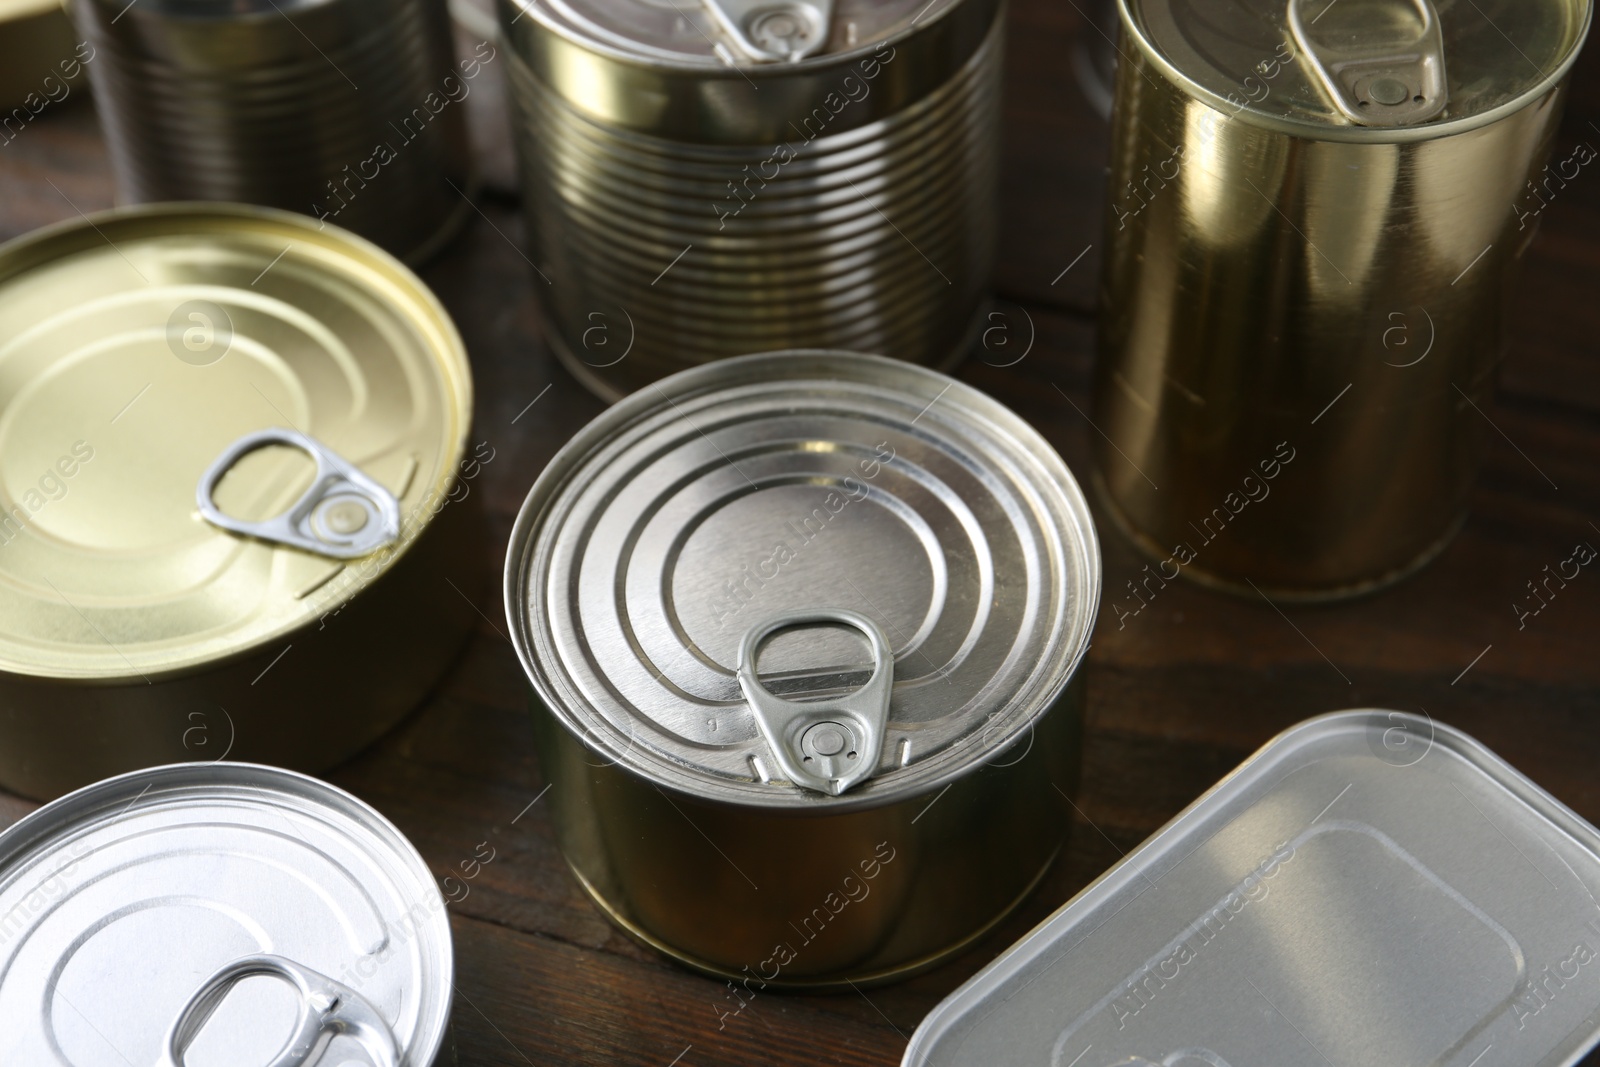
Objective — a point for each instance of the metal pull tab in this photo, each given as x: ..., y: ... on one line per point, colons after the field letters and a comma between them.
x: 775, y: 31
x: 327, y: 1009
x: 344, y: 514
x: 826, y: 746
x: 1392, y: 78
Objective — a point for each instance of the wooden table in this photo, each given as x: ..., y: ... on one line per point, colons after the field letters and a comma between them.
x: 1178, y: 696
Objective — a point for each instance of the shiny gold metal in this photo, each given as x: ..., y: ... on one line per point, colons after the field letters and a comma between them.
x: 136, y: 346
x: 1302, y: 314
x: 40, y: 62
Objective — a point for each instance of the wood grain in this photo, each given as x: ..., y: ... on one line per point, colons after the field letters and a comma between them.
x: 1179, y: 693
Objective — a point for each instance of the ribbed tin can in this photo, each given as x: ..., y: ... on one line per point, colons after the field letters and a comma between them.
x: 234, y: 493
x: 1316, y: 213
x: 804, y: 633
x: 349, y: 110
x: 699, y: 186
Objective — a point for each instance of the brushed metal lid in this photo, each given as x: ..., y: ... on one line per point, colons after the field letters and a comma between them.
x: 137, y: 347
x: 1371, y: 887
x: 701, y: 512
x: 1381, y: 70
x: 120, y: 903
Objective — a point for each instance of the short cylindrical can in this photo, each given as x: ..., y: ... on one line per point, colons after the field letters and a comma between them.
x: 1315, y: 215
x: 803, y: 631
x: 226, y: 449
x: 349, y: 110
x: 709, y: 180
x: 219, y: 913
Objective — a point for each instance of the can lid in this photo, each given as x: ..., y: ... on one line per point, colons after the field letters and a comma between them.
x: 219, y: 423
x: 218, y: 914
x: 734, y: 33
x: 1371, y: 887
x: 891, y: 544
x: 1372, y: 65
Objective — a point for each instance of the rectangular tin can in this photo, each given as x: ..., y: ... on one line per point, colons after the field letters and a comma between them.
x: 227, y: 449
x: 1314, y: 218
x: 1370, y: 887
x: 349, y: 110
x: 41, y: 62
x: 804, y: 633
x: 709, y: 180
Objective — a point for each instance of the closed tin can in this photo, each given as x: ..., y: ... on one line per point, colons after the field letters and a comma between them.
x: 803, y: 631
x: 349, y: 110
x: 225, y: 434
x: 41, y: 63
x: 212, y: 915
x: 1316, y: 211
x: 709, y: 179
x: 1371, y: 887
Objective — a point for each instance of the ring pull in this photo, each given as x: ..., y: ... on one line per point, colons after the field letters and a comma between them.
x: 826, y: 746
x: 327, y: 1009
x: 344, y: 514
x: 775, y: 31
x: 1377, y: 78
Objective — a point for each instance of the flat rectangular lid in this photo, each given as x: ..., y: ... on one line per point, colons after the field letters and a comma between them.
x: 1372, y: 887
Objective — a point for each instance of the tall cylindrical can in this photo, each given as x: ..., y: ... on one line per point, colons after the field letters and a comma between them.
x: 1315, y: 214
x: 804, y: 633
x: 348, y: 110
x: 705, y: 180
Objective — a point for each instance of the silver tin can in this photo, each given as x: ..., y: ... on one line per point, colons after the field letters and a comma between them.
x: 803, y: 631
x: 348, y: 110
x: 1371, y: 887
x: 698, y: 186
x: 213, y: 914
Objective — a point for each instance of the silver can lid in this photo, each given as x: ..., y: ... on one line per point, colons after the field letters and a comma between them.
x: 922, y: 561
x: 1373, y: 68
x: 213, y: 915
x: 714, y: 33
x: 1370, y: 888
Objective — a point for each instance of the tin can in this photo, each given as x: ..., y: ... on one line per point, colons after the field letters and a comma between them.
x: 225, y: 437
x: 1316, y: 211
x: 41, y: 63
x: 349, y: 110
x: 211, y: 914
x: 710, y: 180
x: 1371, y: 887
x: 803, y: 631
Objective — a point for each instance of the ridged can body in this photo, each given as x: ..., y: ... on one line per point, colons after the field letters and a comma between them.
x: 682, y: 215
x: 1301, y: 324
x: 348, y: 110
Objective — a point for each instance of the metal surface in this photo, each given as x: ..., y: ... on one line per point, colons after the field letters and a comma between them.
x: 139, y: 345
x: 218, y: 914
x: 1302, y: 317
x: 348, y: 110
x: 1377, y: 79
x: 1370, y: 887
x: 41, y: 62
x: 342, y: 514
x: 766, y: 489
x: 686, y: 205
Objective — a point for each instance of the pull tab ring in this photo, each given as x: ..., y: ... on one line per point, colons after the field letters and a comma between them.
x: 344, y: 514
x: 775, y: 31
x: 327, y: 1009
x: 1390, y: 83
x: 826, y: 746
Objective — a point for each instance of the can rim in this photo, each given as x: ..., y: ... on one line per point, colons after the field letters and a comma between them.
x: 1352, y: 134
x: 662, y: 773
x: 31, y: 250
x: 47, y: 821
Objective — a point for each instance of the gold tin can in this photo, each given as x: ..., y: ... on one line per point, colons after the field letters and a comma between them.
x: 41, y: 62
x: 348, y: 110
x: 224, y: 436
x: 705, y: 180
x: 804, y: 633
x: 1315, y: 215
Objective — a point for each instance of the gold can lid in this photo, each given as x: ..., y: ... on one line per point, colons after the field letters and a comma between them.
x: 1379, y: 69
x: 160, y: 365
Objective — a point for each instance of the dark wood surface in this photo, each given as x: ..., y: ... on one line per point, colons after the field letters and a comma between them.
x: 1177, y: 697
